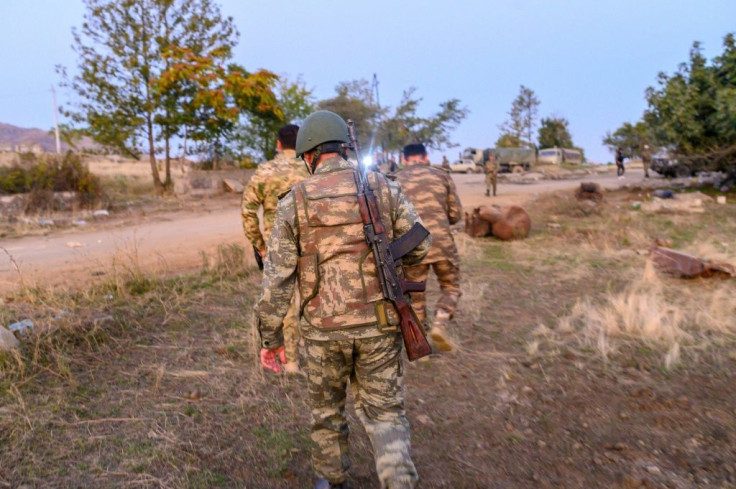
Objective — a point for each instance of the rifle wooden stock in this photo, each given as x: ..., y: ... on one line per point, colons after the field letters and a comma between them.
x: 415, y: 342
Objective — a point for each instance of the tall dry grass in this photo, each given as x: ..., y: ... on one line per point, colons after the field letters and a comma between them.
x: 670, y: 315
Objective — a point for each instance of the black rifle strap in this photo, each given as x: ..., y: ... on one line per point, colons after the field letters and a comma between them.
x: 409, y: 241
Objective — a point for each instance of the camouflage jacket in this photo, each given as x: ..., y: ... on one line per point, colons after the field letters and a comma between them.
x: 271, y: 180
x: 335, y: 268
x: 435, y: 198
x: 646, y: 156
x: 490, y: 166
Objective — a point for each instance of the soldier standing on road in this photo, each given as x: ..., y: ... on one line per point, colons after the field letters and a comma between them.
x: 620, y: 170
x: 491, y: 170
x: 646, y: 160
x: 433, y: 193
x: 350, y: 330
x: 445, y: 163
x: 271, y: 180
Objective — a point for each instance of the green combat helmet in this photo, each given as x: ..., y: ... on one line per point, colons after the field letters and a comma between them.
x: 321, y: 127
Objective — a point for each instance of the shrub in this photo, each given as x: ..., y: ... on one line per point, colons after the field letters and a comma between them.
x: 41, y: 176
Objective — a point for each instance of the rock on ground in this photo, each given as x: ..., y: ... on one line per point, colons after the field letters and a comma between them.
x: 8, y: 341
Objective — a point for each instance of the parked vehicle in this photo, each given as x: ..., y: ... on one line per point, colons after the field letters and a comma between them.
x: 558, y: 156
x: 465, y: 165
x: 515, y: 160
x: 667, y: 165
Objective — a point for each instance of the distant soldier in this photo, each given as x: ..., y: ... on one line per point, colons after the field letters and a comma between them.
x: 445, y: 163
x: 435, y: 198
x: 491, y: 170
x: 620, y: 170
x: 271, y: 180
x: 646, y: 160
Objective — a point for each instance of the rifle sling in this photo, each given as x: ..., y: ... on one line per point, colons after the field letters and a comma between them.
x: 409, y: 241
x: 408, y: 286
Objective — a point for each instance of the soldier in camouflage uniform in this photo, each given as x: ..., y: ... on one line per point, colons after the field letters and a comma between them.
x: 351, y: 331
x: 646, y: 160
x: 271, y: 180
x: 491, y: 170
x: 434, y: 196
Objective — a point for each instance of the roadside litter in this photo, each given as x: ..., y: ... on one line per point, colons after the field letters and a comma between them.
x: 684, y: 202
x: 688, y: 266
x: 22, y: 327
x: 663, y: 193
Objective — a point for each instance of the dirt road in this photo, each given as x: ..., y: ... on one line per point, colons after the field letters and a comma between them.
x: 174, y: 242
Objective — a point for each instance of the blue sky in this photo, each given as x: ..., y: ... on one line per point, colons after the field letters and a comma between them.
x: 589, y: 61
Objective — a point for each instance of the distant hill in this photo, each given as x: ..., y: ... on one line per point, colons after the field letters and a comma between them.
x: 12, y: 137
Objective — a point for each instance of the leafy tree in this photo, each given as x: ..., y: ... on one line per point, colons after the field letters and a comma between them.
x: 354, y: 100
x: 404, y: 126
x: 211, y: 96
x: 121, y: 47
x: 694, y: 110
x: 522, y: 118
x: 385, y: 130
x: 554, y: 132
x: 259, y: 133
x: 631, y: 138
x: 508, y: 141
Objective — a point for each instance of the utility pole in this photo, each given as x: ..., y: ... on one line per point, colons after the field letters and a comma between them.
x: 56, y: 121
x: 375, y: 89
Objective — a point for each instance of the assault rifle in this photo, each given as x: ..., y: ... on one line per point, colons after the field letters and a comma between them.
x: 388, y: 260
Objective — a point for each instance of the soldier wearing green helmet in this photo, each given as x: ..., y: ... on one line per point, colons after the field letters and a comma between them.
x: 351, y: 332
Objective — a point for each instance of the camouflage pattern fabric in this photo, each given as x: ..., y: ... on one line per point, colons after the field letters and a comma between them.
x: 271, y: 180
x: 448, y: 276
x: 316, y: 226
x: 435, y: 198
x: 646, y: 160
x: 374, y: 368
x: 491, y: 170
x: 325, y: 287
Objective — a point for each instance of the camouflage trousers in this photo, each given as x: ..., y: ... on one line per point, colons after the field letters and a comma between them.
x: 491, y: 182
x: 291, y: 330
x: 448, y: 276
x: 374, y: 369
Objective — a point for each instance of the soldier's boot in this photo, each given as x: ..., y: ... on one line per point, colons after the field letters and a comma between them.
x: 488, y: 193
x: 437, y: 333
x: 325, y: 484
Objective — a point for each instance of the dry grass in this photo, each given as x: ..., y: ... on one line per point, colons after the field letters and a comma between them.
x: 664, y: 314
x: 638, y: 306
x: 151, y: 380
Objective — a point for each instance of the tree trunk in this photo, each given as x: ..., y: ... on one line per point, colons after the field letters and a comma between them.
x: 167, y: 181
x: 157, y: 184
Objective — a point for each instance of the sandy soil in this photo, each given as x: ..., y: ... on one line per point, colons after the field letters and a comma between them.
x: 171, y: 242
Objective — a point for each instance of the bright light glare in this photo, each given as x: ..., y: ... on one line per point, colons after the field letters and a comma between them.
x: 367, y: 160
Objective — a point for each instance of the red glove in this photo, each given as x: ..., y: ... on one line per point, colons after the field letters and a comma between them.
x: 270, y: 358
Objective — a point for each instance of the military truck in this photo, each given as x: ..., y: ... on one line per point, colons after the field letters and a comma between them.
x: 516, y: 160
x: 558, y: 156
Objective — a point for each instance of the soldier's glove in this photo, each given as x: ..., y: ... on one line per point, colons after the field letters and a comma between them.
x: 270, y: 358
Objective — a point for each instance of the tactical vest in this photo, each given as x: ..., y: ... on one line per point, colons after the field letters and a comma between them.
x: 338, y: 283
